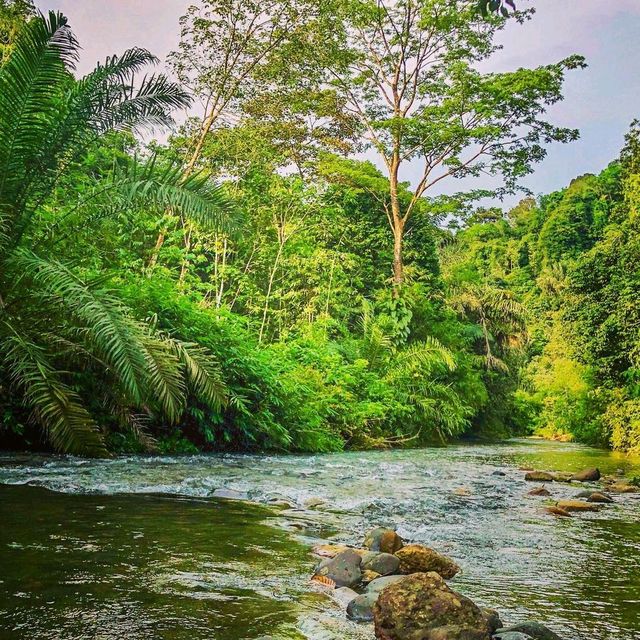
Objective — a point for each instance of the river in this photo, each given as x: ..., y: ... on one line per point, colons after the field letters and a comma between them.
x: 140, y: 548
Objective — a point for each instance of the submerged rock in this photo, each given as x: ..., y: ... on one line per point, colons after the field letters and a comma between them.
x: 381, y: 539
x: 383, y: 563
x: 422, y: 607
x: 360, y: 608
x: 539, y: 476
x: 558, y: 511
x: 497, y: 472
x: 344, y: 569
x: 587, y: 475
x: 577, y: 505
x: 539, y: 491
x: 532, y: 629
x: 622, y: 487
x: 416, y: 558
x: 512, y: 635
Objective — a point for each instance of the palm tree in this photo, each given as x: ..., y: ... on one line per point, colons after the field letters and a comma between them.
x: 67, y: 343
x: 499, y: 317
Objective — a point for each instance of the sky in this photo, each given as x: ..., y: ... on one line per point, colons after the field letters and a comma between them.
x: 600, y: 101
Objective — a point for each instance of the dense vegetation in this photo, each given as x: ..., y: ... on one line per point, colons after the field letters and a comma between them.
x: 251, y: 285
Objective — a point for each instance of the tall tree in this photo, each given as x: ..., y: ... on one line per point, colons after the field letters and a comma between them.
x: 405, y: 69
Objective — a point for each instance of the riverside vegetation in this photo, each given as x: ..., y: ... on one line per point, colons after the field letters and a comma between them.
x: 249, y: 285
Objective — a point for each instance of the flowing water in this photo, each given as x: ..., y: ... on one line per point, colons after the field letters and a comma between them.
x: 141, y: 548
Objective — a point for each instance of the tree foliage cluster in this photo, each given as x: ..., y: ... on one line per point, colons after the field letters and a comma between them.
x: 572, y: 259
x: 251, y: 285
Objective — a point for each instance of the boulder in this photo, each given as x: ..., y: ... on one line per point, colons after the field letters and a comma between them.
x: 497, y: 472
x: 344, y: 569
x: 343, y: 595
x: 538, y: 476
x: 377, y: 585
x: 383, y: 563
x: 561, y: 476
x: 557, y: 511
x: 493, y: 619
x: 539, y: 491
x: 577, y: 505
x: 416, y: 558
x: 534, y: 630
x: 384, y: 540
x: 586, y: 475
x: 597, y: 496
x: 423, y: 607
x: 512, y: 635
x: 360, y: 608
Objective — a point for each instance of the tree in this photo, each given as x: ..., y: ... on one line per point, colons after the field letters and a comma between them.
x: 405, y: 71
x: 54, y: 321
x: 13, y: 16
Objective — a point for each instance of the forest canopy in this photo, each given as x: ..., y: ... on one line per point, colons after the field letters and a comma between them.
x: 251, y: 285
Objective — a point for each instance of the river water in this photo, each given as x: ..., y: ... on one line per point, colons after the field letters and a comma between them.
x: 138, y: 548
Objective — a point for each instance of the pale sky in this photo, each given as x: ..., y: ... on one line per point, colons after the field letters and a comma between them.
x: 601, y: 100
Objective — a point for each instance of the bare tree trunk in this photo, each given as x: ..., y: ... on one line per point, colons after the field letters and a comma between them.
x: 156, y: 250
x: 272, y: 276
x: 398, y: 223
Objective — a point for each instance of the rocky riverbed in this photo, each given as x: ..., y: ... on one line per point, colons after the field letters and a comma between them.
x: 156, y: 547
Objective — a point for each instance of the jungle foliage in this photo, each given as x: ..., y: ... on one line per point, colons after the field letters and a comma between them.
x: 249, y: 285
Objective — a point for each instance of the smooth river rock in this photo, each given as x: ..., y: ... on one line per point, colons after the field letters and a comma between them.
x: 360, y: 608
x: 539, y: 476
x: 377, y: 585
x: 383, y: 563
x: 384, y: 540
x: 416, y: 558
x: 586, y: 475
x: 344, y: 569
x: 577, y: 505
x: 534, y: 630
x: 422, y: 607
x: 597, y: 496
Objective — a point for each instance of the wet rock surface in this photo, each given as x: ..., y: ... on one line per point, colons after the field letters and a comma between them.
x: 416, y: 558
x: 422, y: 607
x: 384, y: 540
x: 382, y: 563
x: 344, y: 569
x: 360, y: 608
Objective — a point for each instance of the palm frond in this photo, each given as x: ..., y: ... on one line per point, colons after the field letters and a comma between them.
x: 30, y: 88
x: 69, y: 426
x: 202, y: 372
x: 110, y: 333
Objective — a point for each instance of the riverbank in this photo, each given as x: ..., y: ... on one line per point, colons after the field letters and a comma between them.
x: 578, y: 575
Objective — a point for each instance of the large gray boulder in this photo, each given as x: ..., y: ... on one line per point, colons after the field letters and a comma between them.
x: 383, y: 563
x: 360, y: 608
